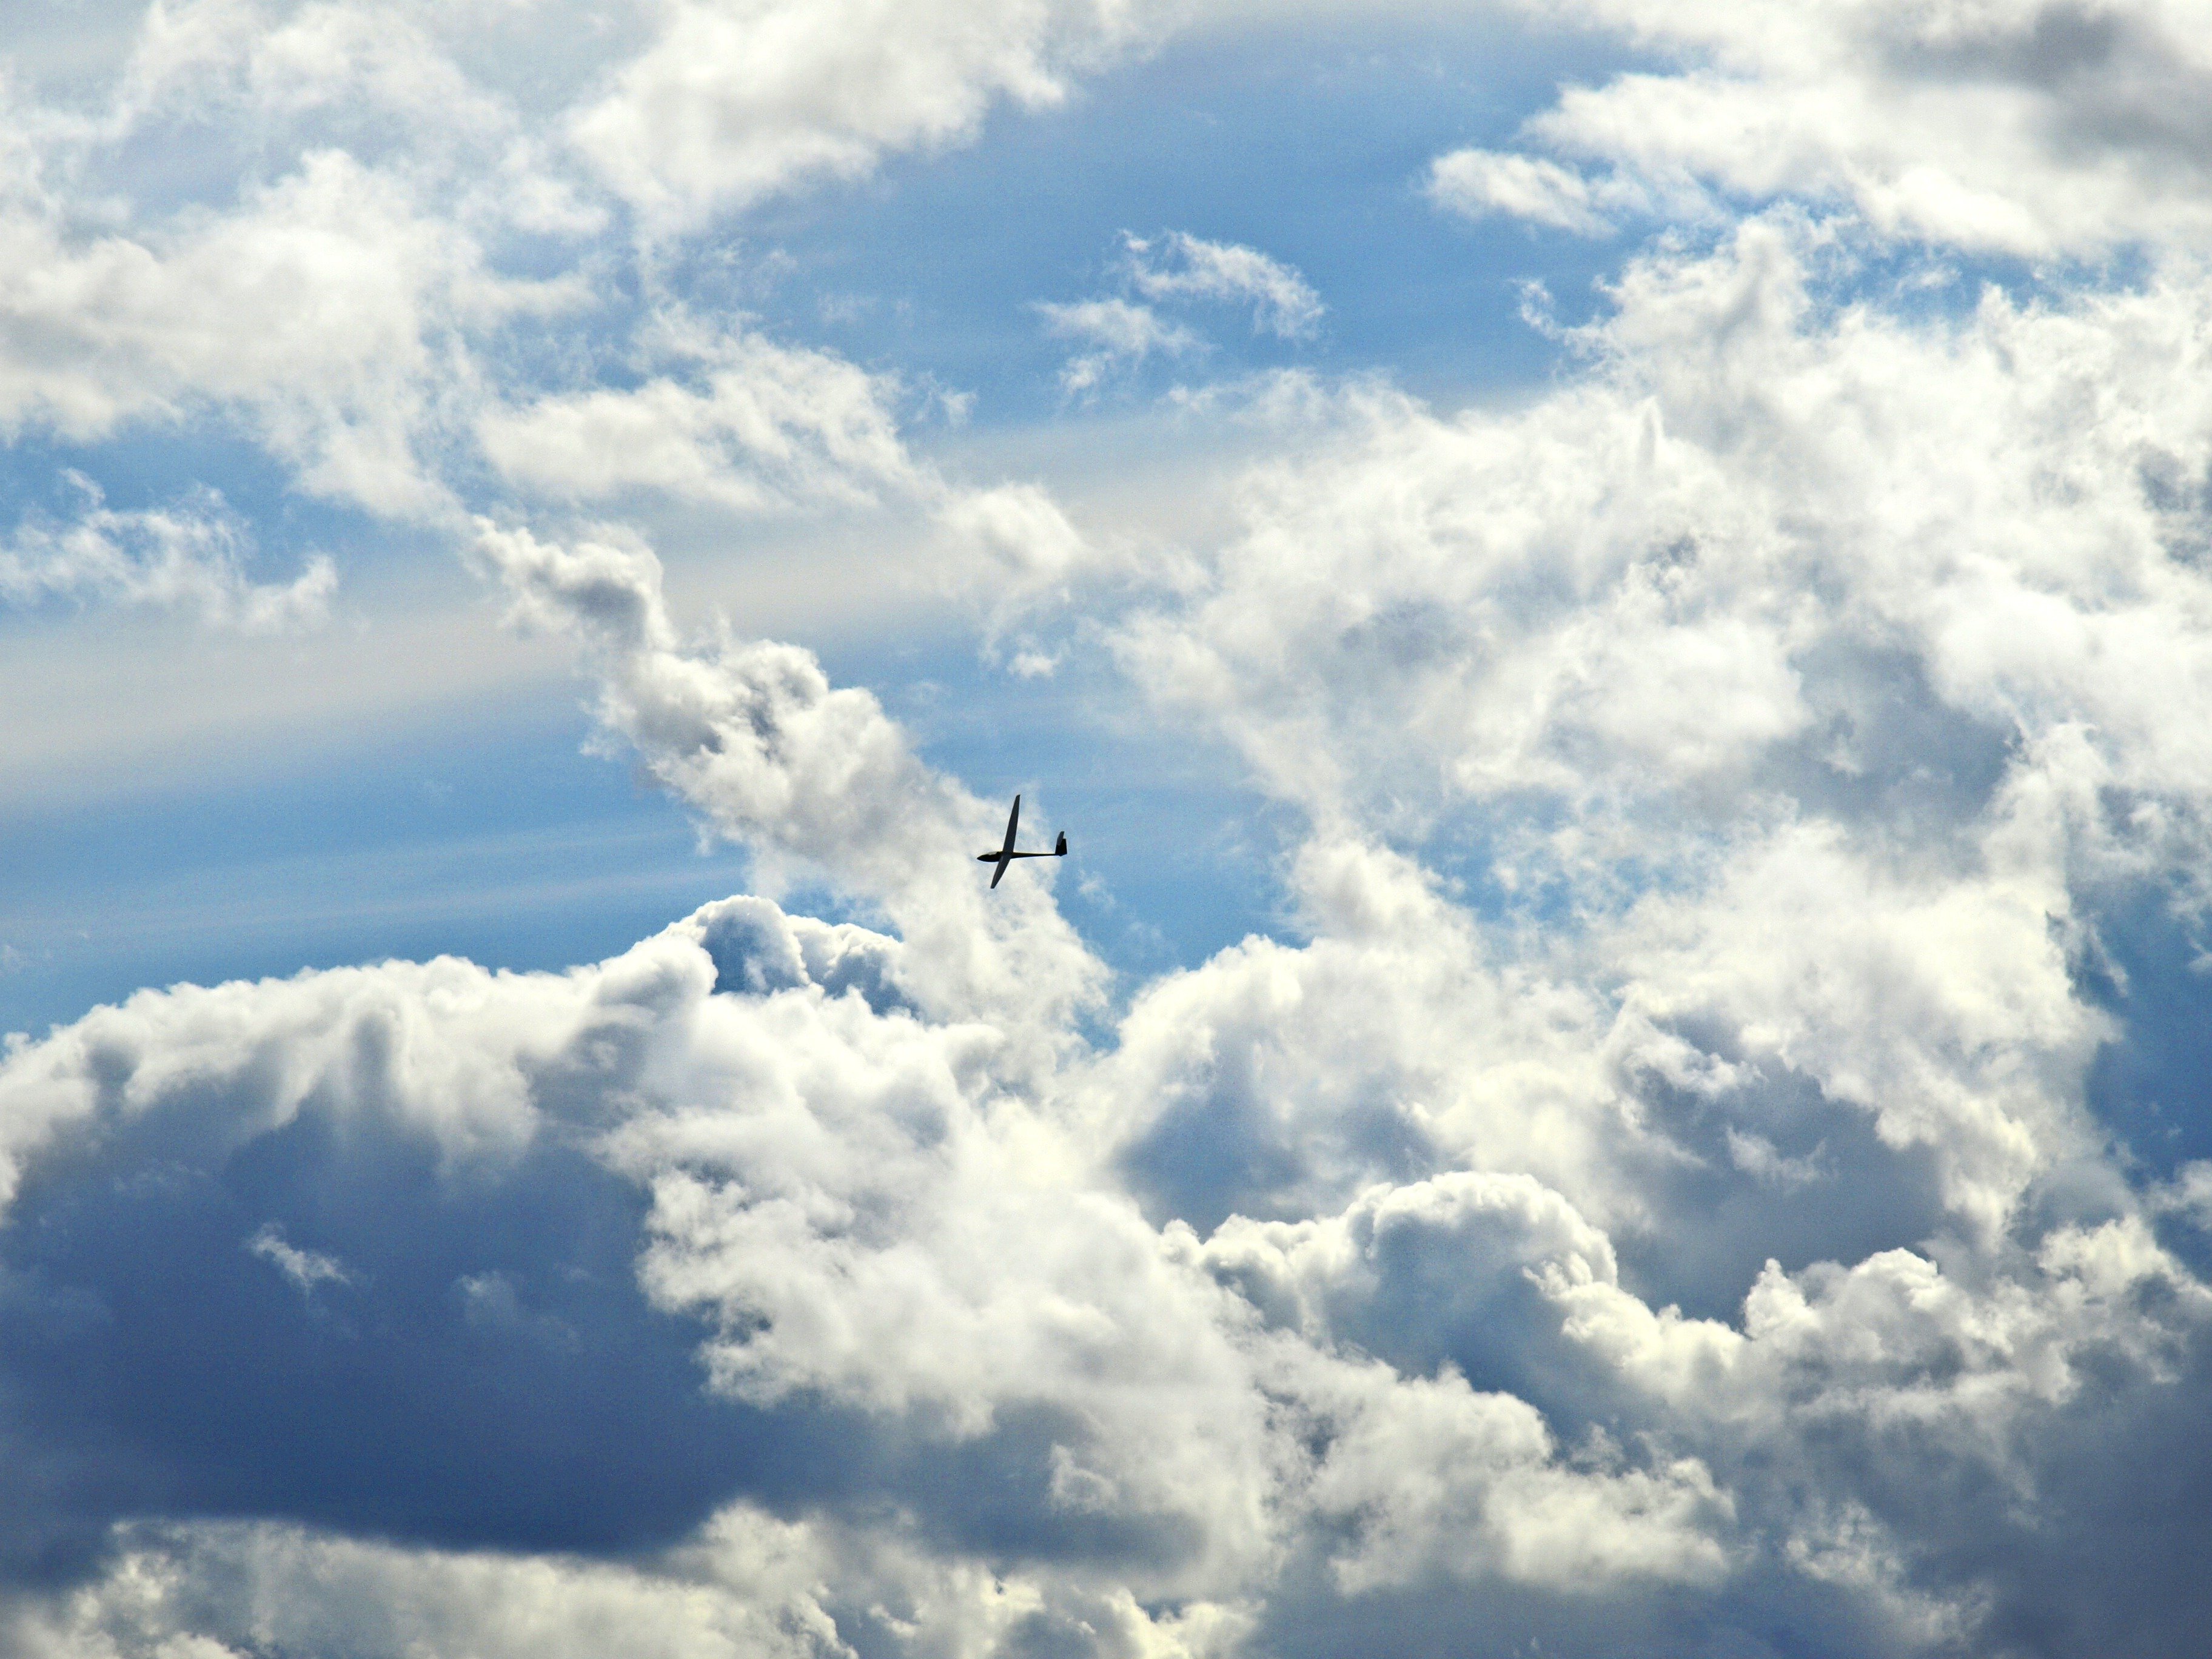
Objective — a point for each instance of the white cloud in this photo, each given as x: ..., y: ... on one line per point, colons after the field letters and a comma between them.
x: 349, y: 311
x: 1442, y: 1479
x: 869, y: 1209
x: 1126, y: 332
x: 873, y: 1210
x: 733, y: 101
x: 324, y: 312
x: 1711, y: 552
x: 1669, y: 623
x: 1478, y: 182
x: 2038, y: 130
x: 190, y: 557
x: 753, y: 737
x: 742, y: 422
x: 1758, y: 1157
x: 304, y: 1268
x: 1190, y: 268
x: 1714, y: 771
x: 751, y: 1587
x: 215, y: 1591
x: 1126, y: 335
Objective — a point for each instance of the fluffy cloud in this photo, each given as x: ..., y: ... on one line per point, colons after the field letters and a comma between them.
x: 320, y: 310
x: 1475, y: 182
x: 881, y: 1240
x: 1766, y: 687
x: 734, y: 100
x: 1814, y: 514
x: 2041, y: 130
x: 750, y: 1587
x: 413, y: 210
x: 1176, y: 269
x: 1658, y: 1193
x: 814, y: 779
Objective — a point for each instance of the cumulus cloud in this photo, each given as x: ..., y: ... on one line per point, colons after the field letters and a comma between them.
x: 815, y: 778
x: 2040, y: 131
x: 1601, y: 626
x: 825, y: 1187
x: 753, y: 1587
x: 353, y: 307
x: 322, y: 311
x: 1658, y: 1190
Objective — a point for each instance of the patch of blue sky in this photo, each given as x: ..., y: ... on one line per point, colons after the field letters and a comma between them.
x: 487, y: 830
x: 1172, y: 855
x: 154, y: 463
x: 1913, y: 282
x: 1307, y: 142
x: 495, y: 838
x: 2151, y: 1086
x: 67, y: 47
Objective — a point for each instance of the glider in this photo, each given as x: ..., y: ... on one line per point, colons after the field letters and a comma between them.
x: 1006, y: 855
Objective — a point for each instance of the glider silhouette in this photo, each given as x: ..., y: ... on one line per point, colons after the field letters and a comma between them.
x: 1006, y: 855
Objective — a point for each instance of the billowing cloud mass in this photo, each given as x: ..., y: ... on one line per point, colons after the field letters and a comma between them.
x: 2035, y: 130
x: 1699, y: 1167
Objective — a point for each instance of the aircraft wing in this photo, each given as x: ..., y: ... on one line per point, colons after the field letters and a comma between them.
x: 1006, y: 853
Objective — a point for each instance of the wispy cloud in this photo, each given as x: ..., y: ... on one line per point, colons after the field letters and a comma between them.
x: 190, y: 557
x: 1181, y: 267
x: 1177, y: 269
x: 304, y: 1268
x: 1125, y: 334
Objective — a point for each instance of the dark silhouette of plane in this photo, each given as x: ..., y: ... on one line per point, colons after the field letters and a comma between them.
x: 1006, y: 855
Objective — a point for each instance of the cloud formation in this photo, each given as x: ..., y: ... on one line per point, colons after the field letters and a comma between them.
x: 2043, y: 131
x: 1190, y: 268
x: 732, y: 100
x: 1125, y: 334
x: 191, y: 557
x: 1673, y: 1182
x: 1177, y: 269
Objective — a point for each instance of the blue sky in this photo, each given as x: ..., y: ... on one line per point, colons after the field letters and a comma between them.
x: 1611, y: 598
x: 928, y: 271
